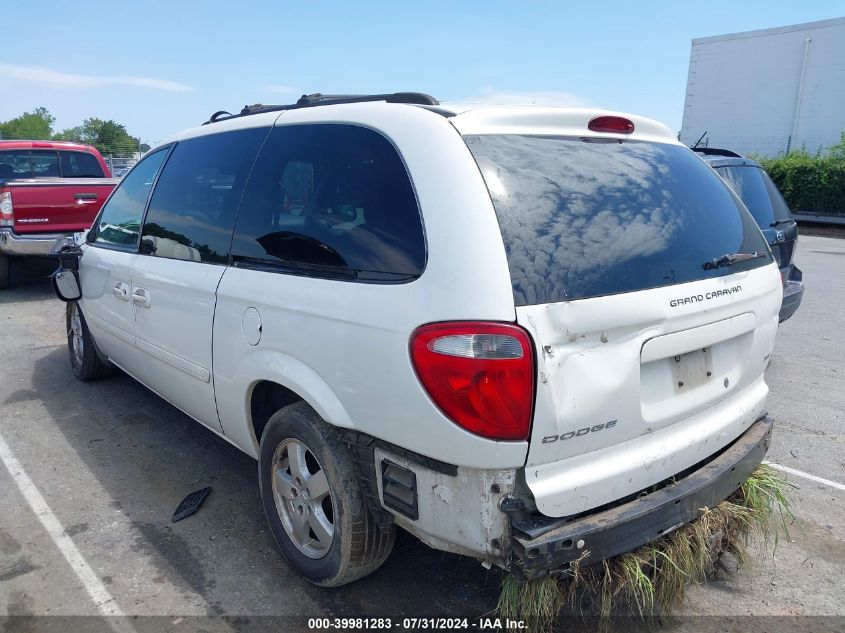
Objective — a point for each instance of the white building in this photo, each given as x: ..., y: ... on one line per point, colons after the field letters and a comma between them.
x: 765, y: 92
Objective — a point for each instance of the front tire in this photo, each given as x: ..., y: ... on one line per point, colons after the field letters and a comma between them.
x: 313, y: 500
x: 84, y: 361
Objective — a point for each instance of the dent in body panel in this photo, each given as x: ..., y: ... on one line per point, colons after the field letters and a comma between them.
x: 591, y: 373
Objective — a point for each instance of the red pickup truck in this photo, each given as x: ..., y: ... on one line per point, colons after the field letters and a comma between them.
x: 48, y: 190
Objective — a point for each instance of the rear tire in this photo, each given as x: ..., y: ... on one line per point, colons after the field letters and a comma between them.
x: 314, y: 501
x: 84, y: 361
x: 5, y: 271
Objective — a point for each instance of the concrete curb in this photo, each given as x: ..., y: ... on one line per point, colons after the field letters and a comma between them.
x: 820, y: 218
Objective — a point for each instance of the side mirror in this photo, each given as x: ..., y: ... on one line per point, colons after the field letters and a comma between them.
x: 90, y: 236
x: 66, y: 284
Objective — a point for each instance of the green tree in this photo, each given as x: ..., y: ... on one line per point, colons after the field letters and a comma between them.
x: 35, y: 125
x: 70, y: 134
x: 109, y: 137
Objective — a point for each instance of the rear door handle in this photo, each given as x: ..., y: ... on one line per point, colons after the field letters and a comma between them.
x: 121, y: 290
x: 85, y: 197
x: 141, y: 297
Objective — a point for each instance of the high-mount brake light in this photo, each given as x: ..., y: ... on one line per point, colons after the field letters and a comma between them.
x: 615, y: 124
x: 481, y: 375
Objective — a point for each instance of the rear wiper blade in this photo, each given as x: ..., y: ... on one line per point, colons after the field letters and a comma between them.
x: 729, y: 260
x: 779, y: 222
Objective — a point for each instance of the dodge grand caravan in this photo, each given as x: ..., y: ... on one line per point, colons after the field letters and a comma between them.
x: 529, y: 335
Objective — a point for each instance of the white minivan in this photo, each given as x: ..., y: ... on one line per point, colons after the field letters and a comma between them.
x: 529, y: 335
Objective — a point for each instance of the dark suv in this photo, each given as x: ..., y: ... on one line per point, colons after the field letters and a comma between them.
x: 757, y: 191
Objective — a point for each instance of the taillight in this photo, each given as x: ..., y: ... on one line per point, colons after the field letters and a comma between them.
x: 7, y: 211
x: 616, y: 124
x: 784, y: 277
x: 481, y: 375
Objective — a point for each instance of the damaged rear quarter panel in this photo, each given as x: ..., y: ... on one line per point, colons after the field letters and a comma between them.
x: 459, y: 513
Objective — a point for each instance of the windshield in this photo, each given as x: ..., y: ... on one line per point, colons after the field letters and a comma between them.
x: 581, y: 218
x: 757, y: 192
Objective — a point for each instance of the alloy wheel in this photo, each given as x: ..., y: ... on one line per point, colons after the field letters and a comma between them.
x: 303, y: 498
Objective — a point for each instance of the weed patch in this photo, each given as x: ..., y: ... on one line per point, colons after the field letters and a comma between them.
x: 652, y: 579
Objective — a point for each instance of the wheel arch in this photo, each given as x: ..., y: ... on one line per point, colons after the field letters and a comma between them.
x: 278, y: 380
x: 267, y: 397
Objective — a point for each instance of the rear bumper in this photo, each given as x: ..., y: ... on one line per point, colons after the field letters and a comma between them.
x: 12, y: 243
x: 621, y: 529
x: 793, y: 292
x: 792, y: 295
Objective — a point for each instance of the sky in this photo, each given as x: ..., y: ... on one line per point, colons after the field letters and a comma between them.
x: 160, y: 67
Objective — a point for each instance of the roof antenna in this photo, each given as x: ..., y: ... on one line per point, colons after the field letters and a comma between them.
x: 700, y: 138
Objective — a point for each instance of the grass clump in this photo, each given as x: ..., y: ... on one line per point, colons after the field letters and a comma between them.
x: 537, y: 602
x: 653, y: 578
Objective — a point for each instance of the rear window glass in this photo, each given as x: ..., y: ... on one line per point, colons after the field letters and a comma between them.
x: 331, y: 200
x: 26, y: 163
x: 45, y: 164
x: 584, y: 219
x: 80, y: 165
x: 15, y: 164
x: 757, y: 192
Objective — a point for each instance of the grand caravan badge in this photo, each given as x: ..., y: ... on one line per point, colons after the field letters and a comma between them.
x: 706, y: 296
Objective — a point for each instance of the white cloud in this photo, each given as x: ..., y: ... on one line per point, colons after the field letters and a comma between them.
x: 39, y: 74
x: 279, y: 89
x: 539, y: 97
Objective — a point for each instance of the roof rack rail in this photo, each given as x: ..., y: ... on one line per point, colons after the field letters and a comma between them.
x: 319, y: 99
x: 715, y: 151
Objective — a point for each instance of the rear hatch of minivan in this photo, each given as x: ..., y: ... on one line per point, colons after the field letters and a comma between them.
x: 650, y: 344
